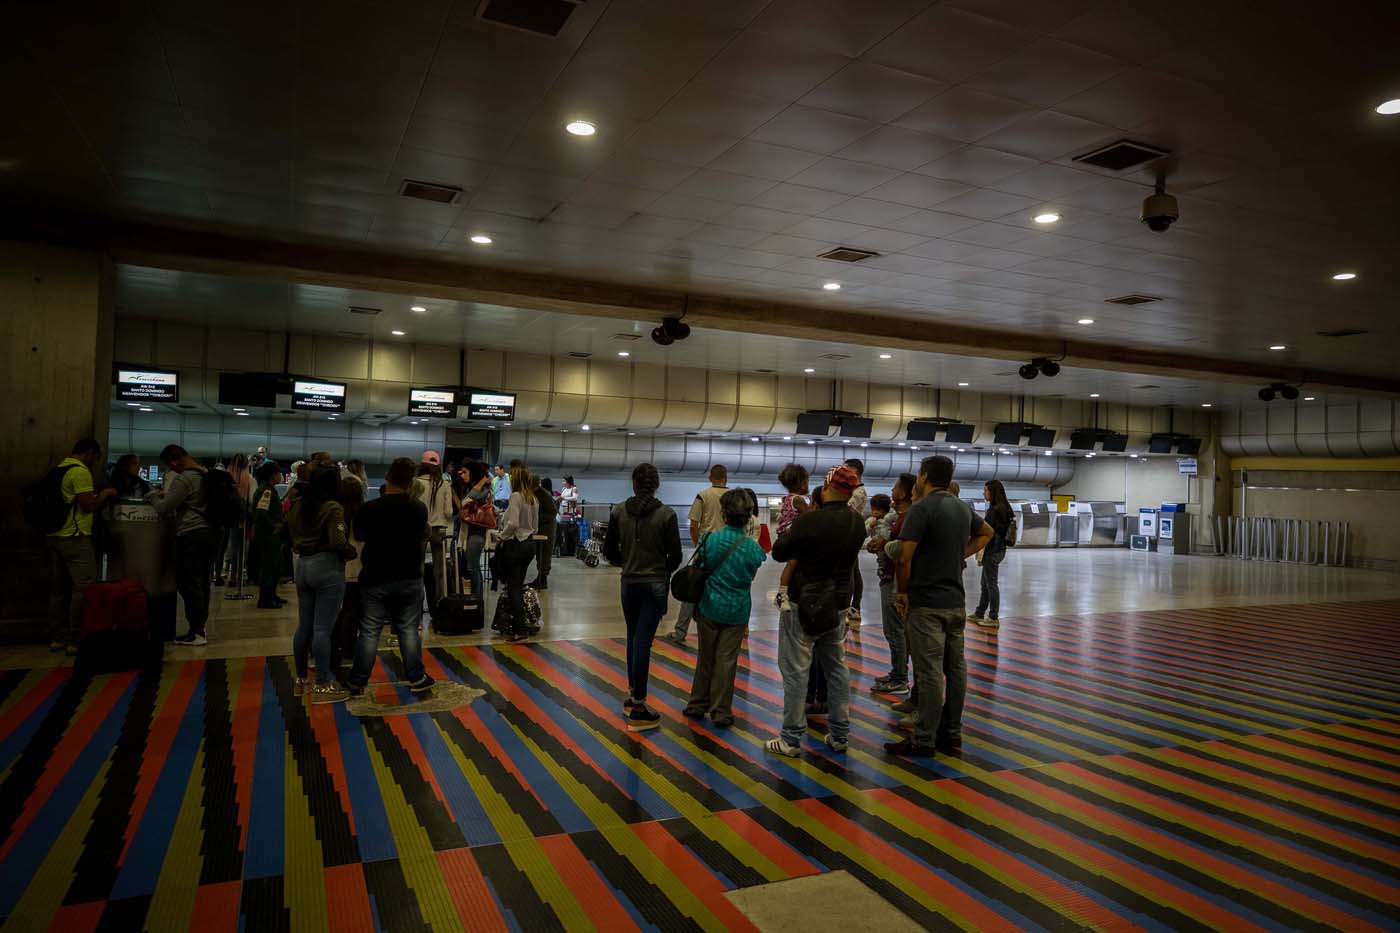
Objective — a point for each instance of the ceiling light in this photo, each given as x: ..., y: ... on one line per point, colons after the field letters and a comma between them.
x: 1086, y: 320
x: 332, y: 418
x: 581, y: 128
x: 864, y: 444
x: 787, y: 437
x: 963, y: 385
x: 1389, y: 108
x: 1310, y: 398
x: 846, y: 441
x: 584, y: 427
x: 146, y: 409
x: 809, y: 370
x: 133, y: 404
x: 755, y: 439
x: 241, y: 414
x: 481, y: 239
x: 1093, y: 395
x: 418, y: 309
x: 1205, y: 404
x: 1049, y: 217
x: 1047, y: 453
x: 631, y: 433
x: 1089, y: 455
x: 832, y: 286
x: 1343, y: 276
x: 811, y: 442
x: 1278, y: 346
x: 623, y: 353
x: 915, y: 449
x: 900, y: 444
x: 396, y: 333
x: 957, y: 448
x: 1133, y: 456
x: 885, y: 356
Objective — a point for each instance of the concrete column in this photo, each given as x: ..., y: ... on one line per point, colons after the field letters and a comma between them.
x: 55, y: 387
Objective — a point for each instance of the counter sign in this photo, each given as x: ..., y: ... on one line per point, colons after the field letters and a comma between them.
x: 490, y: 406
x: 433, y: 403
x: 147, y: 385
x: 318, y: 396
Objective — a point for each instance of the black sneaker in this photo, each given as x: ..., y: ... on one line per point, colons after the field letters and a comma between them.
x: 910, y: 748
x: 628, y: 703
x: 354, y: 691
x: 421, y: 687
x: 642, y: 718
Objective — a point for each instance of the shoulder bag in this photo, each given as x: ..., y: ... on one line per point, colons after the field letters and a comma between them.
x: 688, y: 584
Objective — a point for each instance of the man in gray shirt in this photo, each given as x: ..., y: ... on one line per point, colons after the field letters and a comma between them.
x: 940, y: 531
x: 183, y: 497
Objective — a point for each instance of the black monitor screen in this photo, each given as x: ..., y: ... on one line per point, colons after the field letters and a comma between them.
x: 1008, y: 434
x: 432, y: 403
x: 1083, y: 440
x: 1042, y: 437
x: 923, y: 430
x: 1189, y: 446
x: 856, y: 427
x: 248, y: 390
x: 813, y: 424
x: 961, y: 433
x: 314, y: 395
x: 1160, y: 445
x: 143, y: 384
x: 1115, y: 443
x: 490, y: 406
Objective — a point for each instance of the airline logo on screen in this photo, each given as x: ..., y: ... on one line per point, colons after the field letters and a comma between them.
x: 494, y: 405
x: 145, y: 385
x: 318, y: 396
x: 434, y: 403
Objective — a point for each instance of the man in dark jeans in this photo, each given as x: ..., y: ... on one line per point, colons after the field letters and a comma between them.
x: 393, y: 530
x: 644, y: 539
x: 183, y: 497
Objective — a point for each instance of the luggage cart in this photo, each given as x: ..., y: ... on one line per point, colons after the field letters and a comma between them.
x: 591, y: 550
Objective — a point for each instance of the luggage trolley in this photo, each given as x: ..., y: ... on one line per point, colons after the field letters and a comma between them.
x: 591, y: 549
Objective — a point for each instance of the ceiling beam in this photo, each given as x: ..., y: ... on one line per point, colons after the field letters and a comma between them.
x: 308, y: 263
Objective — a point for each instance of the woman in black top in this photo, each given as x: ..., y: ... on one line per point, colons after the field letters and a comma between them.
x: 549, y: 514
x: 999, y: 516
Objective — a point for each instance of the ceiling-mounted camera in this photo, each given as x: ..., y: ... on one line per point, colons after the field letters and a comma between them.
x: 1274, y: 389
x: 1038, y: 366
x: 670, y: 330
x: 1159, y: 210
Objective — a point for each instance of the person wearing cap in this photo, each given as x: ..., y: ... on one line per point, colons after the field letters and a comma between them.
x: 825, y: 542
x: 433, y: 490
x: 939, y: 533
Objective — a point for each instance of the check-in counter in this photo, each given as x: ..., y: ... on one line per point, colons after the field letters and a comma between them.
x: 1100, y: 524
x: 1037, y: 524
x: 141, y: 546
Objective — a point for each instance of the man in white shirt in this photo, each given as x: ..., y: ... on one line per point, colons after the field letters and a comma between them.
x: 706, y: 515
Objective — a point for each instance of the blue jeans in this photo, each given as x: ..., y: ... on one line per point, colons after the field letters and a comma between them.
x: 398, y: 603
x: 476, y: 543
x: 894, y: 634
x: 796, y: 649
x: 643, y: 605
x: 320, y: 580
x: 989, y: 602
x: 936, y: 648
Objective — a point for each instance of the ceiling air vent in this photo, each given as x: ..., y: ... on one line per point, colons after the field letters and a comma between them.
x: 1130, y: 300
x: 361, y: 310
x: 847, y: 254
x: 833, y: 356
x: 427, y: 191
x: 1147, y: 387
x: 1341, y: 332
x: 580, y: 355
x: 627, y: 336
x: 542, y: 17
x: 1123, y: 154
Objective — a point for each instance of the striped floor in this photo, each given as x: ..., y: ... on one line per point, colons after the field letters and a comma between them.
x: 1202, y: 769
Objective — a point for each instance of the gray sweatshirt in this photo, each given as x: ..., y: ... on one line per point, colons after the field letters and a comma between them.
x: 183, y: 498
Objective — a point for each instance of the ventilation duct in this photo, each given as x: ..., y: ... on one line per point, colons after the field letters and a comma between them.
x: 1363, y: 428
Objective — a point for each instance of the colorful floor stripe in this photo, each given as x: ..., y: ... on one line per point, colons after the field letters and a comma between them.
x: 1233, y: 768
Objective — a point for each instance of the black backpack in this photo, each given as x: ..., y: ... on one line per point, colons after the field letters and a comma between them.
x: 44, y: 507
x: 223, y: 507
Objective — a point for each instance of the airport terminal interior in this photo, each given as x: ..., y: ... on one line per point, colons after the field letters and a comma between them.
x: 1127, y: 270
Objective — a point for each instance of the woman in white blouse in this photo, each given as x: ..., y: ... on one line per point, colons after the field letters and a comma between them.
x: 517, y: 545
x: 433, y: 490
x: 568, y: 498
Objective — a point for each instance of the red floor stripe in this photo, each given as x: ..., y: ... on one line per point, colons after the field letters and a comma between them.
x: 32, y: 700
x: 403, y: 731
x: 347, y: 900
x: 217, y: 907
x: 476, y: 908
x: 244, y: 734
x: 586, y: 885
x: 78, y: 918
x: 323, y: 726
x: 693, y: 873
x: 158, y: 741
x: 767, y: 844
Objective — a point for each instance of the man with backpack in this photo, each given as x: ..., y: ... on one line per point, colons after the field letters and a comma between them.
x: 200, y: 501
x: 61, y: 507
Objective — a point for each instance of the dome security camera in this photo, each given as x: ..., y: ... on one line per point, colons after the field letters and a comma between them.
x: 659, y: 335
x: 1159, y: 210
x: 675, y: 328
x: 1050, y: 368
x: 1289, y: 392
x: 1266, y: 394
x: 1029, y: 371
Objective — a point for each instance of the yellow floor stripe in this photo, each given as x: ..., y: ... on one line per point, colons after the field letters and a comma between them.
x: 304, y: 878
x: 173, y: 901
x: 27, y: 683
x: 1308, y: 757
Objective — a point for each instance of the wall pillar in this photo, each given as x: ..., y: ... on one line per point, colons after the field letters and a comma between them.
x: 56, y: 383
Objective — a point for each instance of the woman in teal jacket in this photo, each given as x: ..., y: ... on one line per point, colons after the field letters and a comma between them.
x: 723, y: 613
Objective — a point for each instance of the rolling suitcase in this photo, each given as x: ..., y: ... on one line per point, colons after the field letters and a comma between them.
x: 116, y: 630
x: 457, y: 613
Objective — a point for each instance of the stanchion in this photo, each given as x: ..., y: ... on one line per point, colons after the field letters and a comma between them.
x: 238, y: 554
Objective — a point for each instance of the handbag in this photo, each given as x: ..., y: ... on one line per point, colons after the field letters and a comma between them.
x: 479, y: 513
x: 688, y: 584
x: 816, y: 607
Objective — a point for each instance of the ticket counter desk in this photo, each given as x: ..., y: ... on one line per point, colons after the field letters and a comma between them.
x: 142, y: 549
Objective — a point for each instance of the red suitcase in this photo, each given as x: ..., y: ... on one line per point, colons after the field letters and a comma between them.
x: 116, y: 630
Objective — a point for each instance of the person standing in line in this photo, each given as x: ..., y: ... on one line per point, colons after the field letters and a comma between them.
x: 896, y: 682
x: 229, y: 565
x: 706, y: 515
x: 394, y: 529
x: 183, y: 497
x: 940, y: 532
x: 347, y: 623
x: 519, y: 526
x: 858, y: 501
x: 501, y: 487
x: 644, y: 539
x: 265, y: 553
x: 722, y: 616
x: 544, y: 550
x: 999, y: 517
x: 72, y: 559
x: 824, y: 541
x: 433, y: 490
x: 476, y: 520
x: 569, y: 499
x: 795, y: 480
x: 316, y: 523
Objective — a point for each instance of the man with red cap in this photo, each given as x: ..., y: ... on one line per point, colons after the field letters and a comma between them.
x: 825, y: 542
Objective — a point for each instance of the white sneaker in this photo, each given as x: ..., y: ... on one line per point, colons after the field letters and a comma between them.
x: 984, y: 622
x: 836, y: 745
x: 853, y: 616
x: 779, y: 747
x: 782, y: 601
x: 191, y: 640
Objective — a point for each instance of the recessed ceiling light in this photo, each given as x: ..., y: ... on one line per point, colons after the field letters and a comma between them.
x: 631, y: 433
x: 1089, y: 455
x: 146, y: 409
x: 957, y: 448
x: 832, y: 286
x: 584, y: 427
x: 1389, y: 108
x: 1343, y: 276
x: 787, y: 437
x: 963, y: 385
x: 623, y: 353
x: 396, y: 333
x: 845, y: 442
x: 133, y: 404
x: 864, y: 444
x: 1205, y: 404
x: 811, y: 442
x: 885, y: 356
x: 1093, y: 395
x: 1049, y: 217
x: 1086, y: 320
x: 915, y: 449
x: 755, y: 439
x: 481, y: 239
x: 241, y: 414
x: 418, y: 308
x: 1310, y: 398
x: 581, y: 128
x: 1133, y: 456
x: 1278, y: 346
x: 1047, y: 453
x: 809, y: 370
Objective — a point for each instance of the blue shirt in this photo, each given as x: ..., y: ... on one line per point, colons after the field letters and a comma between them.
x: 501, y: 486
x: 726, y: 600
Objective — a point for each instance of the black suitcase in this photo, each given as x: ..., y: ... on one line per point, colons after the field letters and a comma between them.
x: 460, y: 614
